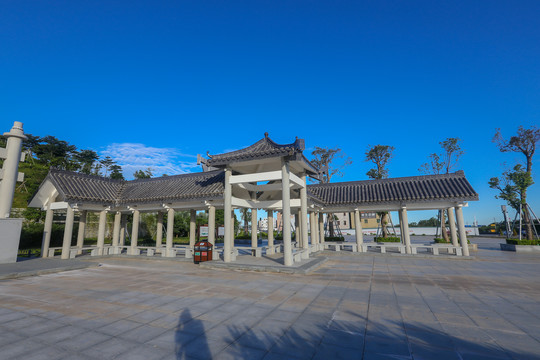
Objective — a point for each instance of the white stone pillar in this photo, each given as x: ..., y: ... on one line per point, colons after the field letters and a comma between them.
x: 68, y: 233
x: 461, y: 229
x: 227, y: 218
x: 170, y: 231
x: 313, y: 230
x: 358, y: 230
x: 122, y: 236
x: 321, y: 230
x: 212, y: 225
x: 254, y: 237
x: 135, y: 233
x: 286, y: 201
x: 406, y: 235
x: 101, y: 231
x: 316, y: 229
x: 270, y: 220
x: 303, y: 217
x: 453, y: 230
x: 12, y: 156
x: 116, y: 229
x: 47, y: 229
x: 192, y: 227
x: 297, y: 230
x: 80, y: 233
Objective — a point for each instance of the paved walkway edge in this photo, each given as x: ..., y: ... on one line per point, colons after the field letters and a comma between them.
x: 306, y: 268
x: 17, y: 275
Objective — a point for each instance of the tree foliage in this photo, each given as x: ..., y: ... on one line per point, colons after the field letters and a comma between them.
x: 379, y: 155
x: 445, y: 162
x: 514, y: 183
x: 143, y: 174
x: 330, y: 161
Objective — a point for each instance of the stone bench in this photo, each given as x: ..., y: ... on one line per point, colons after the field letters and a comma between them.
x: 383, y: 247
x: 340, y: 246
x: 435, y: 248
x: 299, y: 254
x: 272, y: 249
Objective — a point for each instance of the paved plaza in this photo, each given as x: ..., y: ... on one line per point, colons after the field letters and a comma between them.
x: 354, y: 306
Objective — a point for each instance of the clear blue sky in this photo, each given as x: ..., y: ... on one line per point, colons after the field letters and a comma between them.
x: 156, y: 82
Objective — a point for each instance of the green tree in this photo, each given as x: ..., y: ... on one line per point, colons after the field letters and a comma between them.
x: 330, y: 161
x: 86, y: 160
x: 143, y: 174
x: 107, y: 162
x: 444, y: 162
x: 116, y: 172
x: 380, y: 155
x: 514, y: 184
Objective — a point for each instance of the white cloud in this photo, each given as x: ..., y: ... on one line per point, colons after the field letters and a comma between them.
x: 132, y: 157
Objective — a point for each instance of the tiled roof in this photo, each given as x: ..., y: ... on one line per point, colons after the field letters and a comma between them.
x: 418, y: 188
x: 210, y: 185
x: 264, y: 148
x: 80, y: 187
x: 205, y: 185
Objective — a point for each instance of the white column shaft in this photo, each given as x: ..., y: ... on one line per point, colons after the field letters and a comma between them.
x: 270, y: 219
x: 321, y: 228
x: 68, y: 233
x: 254, y: 237
x: 170, y: 229
x: 159, y: 230
x: 286, y: 200
x: 192, y: 227
x: 101, y: 231
x: 10, y: 168
x: 407, y: 237
x: 47, y: 229
x: 358, y: 230
x: 453, y: 230
x: 227, y: 218
x: 212, y: 225
x: 303, y: 217
x: 81, y: 232
x: 462, y: 232
x: 135, y: 230
x: 116, y: 228
x: 122, y: 236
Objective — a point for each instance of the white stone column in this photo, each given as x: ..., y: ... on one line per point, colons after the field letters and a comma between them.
x: 297, y: 229
x: 286, y: 211
x: 101, y: 231
x: 68, y: 233
x: 116, y: 233
x: 303, y: 213
x: 212, y: 225
x: 227, y: 218
x: 321, y: 230
x: 254, y: 237
x: 159, y: 231
x: 270, y: 220
x: 316, y: 228
x: 82, y: 230
x: 358, y: 230
x: 123, y: 221
x: 12, y: 156
x: 135, y: 233
x: 453, y: 230
x: 406, y: 235
x: 461, y: 229
x: 47, y: 230
x: 116, y: 228
x: 312, y: 230
x: 192, y: 227
x: 170, y: 231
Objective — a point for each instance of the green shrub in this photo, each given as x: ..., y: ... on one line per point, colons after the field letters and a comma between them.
x: 522, y: 242
x: 440, y: 241
x: 243, y: 236
x: 334, y: 238
x: 387, y: 239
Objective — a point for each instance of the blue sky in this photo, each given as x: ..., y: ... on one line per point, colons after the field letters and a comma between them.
x: 153, y: 83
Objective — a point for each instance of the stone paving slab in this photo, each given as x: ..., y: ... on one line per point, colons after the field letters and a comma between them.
x: 351, y: 307
x: 40, y: 266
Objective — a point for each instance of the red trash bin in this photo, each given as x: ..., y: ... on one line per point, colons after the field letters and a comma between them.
x: 202, y: 251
